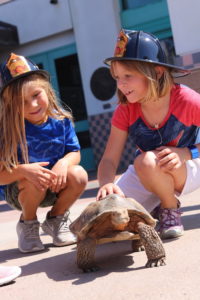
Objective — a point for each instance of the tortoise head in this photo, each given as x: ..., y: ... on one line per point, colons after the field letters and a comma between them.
x: 120, y: 218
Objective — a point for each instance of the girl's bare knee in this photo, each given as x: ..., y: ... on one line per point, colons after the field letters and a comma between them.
x: 24, y: 184
x: 77, y: 177
x: 29, y: 196
x: 28, y: 187
x: 145, y: 162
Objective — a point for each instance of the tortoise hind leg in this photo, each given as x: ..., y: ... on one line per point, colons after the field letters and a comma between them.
x: 153, y: 245
x: 137, y: 246
x: 85, y: 255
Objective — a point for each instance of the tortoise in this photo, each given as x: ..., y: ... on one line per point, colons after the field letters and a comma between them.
x: 116, y: 218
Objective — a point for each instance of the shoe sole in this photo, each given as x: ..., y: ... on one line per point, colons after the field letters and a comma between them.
x: 32, y: 250
x: 49, y: 232
x: 171, y: 235
x: 64, y: 244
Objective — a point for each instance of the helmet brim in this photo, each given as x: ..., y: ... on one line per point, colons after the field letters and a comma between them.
x: 178, y: 71
x: 44, y: 73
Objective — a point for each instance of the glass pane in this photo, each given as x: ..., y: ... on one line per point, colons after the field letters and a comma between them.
x: 70, y: 85
x: 168, y: 46
x: 84, y: 139
x: 40, y: 66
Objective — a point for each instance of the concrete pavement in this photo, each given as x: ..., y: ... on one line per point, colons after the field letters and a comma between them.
x: 53, y: 274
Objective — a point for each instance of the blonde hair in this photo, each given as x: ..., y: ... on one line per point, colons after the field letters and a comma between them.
x: 156, y: 87
x: 12, y: 123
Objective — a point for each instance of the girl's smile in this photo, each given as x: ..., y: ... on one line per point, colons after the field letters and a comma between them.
x: 128, y: 93
x: 130, y: 82
x: 36, y: 112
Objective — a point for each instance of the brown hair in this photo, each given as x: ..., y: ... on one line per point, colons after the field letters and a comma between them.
x: 12, y: 125
x: 156, y: 87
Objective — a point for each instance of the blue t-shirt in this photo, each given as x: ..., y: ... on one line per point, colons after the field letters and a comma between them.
x: 48, y: 142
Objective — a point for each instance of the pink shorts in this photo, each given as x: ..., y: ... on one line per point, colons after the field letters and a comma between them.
x: 132, y: 187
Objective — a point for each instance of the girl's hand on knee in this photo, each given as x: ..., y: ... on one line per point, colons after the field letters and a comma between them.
x: 171, y: 158
x: 107, y: 189
x: 37, y: 174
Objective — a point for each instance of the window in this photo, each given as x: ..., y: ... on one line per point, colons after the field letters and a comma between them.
x: 131, y: 4
x: 70, y: 85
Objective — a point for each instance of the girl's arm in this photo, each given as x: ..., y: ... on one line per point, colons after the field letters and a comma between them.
x: 7, y: 177
x: 110, y: 161
x: 34, y: 172
x: 72, y: 158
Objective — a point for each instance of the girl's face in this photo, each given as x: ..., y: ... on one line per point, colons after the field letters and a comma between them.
x: 130, y: 82
x: 35, y: 103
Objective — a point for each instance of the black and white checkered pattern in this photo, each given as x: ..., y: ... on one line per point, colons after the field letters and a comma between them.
x: 99, y: 132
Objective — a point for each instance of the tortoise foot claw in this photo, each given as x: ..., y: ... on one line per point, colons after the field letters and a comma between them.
x: 91, y: 269
x: 137, y: 246
x: 155, y: 262
x: 139, y: 249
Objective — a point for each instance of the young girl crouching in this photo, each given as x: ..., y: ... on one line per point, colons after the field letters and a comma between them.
x: 162, y: 119
x: 39, y: 154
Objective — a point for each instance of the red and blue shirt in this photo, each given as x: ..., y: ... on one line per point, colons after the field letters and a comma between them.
x: 179, y: 128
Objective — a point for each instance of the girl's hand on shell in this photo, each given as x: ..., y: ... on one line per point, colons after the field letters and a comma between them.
x: 107, y: 189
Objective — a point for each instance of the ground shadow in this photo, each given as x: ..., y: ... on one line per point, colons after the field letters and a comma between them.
x: 5, y: 207
x: 89, y: 193
x: 191, y: 221
x: 112, y: 257
x: 190, y: 208
x: 10, y: 254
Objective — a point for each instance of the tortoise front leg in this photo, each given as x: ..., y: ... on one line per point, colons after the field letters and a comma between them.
x: 85, y: 255
x: 153, y: 245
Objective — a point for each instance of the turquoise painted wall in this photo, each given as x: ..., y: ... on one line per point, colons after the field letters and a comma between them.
x: 152, y: 17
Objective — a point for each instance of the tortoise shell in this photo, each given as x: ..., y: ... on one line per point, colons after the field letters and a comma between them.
x: 94, y: 220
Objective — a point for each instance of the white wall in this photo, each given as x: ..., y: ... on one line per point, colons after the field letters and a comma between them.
x: 185, y: 22
x: 36, y: 19
x: 92, y: 24
x: 96, y: 24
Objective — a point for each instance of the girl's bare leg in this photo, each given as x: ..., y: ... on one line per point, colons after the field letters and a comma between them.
x: 76, y: 182
x: 161, y: 183
x: 57, y: 221
x: 28, y: 226
x: 29, y: 198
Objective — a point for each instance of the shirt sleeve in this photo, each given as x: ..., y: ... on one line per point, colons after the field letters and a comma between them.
x: 196, y: 108
x: 186, y: 105
x: 120, y: 117
x: 71, y: 139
